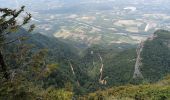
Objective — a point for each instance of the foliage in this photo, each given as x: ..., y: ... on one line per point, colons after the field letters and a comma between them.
x: 158, y: 91
x: 34, y: 66
x: 23, y: 68
x: 156, y: 57
x: 53, y: 94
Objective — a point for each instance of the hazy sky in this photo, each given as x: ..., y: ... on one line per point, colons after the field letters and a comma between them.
x: 46, y: 3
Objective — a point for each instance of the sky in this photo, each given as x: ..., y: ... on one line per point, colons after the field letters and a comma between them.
x: 40, y: 4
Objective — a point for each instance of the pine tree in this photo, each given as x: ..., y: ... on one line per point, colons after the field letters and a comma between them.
x: 8, y: 25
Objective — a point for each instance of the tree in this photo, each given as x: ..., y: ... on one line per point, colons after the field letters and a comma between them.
x: 22, y: 69
x: 8, y: 25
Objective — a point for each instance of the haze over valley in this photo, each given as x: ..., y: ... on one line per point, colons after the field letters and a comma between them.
x: 89, y: 22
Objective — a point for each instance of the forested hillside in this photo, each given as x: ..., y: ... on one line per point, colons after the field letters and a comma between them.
x: 25, y: 64
x: 155, y: 67
x: 34, y: 66
x: 156, y: 91
x: 156, y: 56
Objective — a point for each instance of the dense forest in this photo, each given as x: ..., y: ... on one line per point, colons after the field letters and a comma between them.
x: 36, y: 67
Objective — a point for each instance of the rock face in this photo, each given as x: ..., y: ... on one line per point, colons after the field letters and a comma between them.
x: 101, y: 79
x: 72, y: 69
x: 137, y: 73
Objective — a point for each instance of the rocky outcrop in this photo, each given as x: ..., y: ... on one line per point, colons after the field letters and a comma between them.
x: 101, y: 79
x: 137, y: 72
x: 73, y: 72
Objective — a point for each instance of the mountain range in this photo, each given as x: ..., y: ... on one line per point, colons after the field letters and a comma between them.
x: 100, y: 67
x: 90, y: 50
